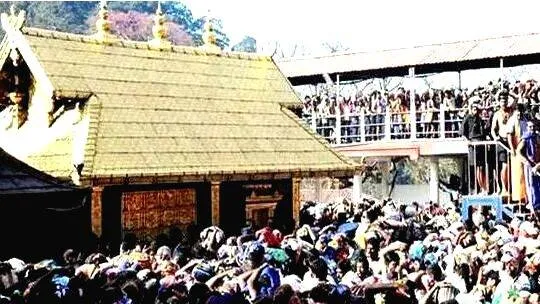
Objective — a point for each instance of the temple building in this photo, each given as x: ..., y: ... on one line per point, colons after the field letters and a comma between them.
x: 164, y: 135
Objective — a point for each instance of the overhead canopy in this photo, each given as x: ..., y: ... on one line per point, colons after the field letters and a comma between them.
x: 436, y: 58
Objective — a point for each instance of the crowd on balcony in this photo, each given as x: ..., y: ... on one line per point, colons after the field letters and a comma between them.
x: 374, y: 251
x: 503, y: 112
x: 375, y: 115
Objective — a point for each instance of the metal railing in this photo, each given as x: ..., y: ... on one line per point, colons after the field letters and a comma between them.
x: 365, y: 127
x: 490, y: 169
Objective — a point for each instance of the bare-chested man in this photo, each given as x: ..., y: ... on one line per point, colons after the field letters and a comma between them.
x: 499, y: 134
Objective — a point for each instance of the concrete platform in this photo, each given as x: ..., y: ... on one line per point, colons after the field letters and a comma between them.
x: 405, y: 147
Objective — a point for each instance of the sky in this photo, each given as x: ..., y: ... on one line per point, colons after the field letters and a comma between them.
x: 368, y: 25
x: 364, y: 25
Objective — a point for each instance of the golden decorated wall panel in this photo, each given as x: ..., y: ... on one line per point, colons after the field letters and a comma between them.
x: 153, y: 212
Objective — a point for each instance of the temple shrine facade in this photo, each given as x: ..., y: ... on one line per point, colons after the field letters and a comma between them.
x: 165, y: 136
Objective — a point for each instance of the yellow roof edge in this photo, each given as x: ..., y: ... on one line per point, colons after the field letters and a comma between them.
x: 346, y: 169
x: 122, y: 43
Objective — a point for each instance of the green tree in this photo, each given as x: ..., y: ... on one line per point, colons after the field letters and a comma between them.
x: 248, y: 45
x: 74, y: 16
x: 133, y: 25
x: 175, y: 11
x: 68, y: 16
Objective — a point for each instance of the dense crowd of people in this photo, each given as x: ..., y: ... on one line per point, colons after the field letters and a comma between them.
x: 376, y: 251
x: 373, y: 251
x: 376, y: 107
x: 501, y: 111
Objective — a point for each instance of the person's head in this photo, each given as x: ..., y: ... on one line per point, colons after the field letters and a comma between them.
x: 434, y: 272
x: 492, y: 278
x: 284, y: 294
x: 198, y: 293
x: 361, y: 267
x: 319, y: 268
x: 70, y: 257
x: 530, y: 126
x: 475, y: 110
x: 391, y: 260
x: 511, y: 263
x: 372, y: 247
x: 255, y: 255
x: 320, y: 294
x: 503, y: 101
x: 415, y: 265
x: 97, y: 258
x: 163, y: 253
x: 343, y: 267
x: 202, y: 272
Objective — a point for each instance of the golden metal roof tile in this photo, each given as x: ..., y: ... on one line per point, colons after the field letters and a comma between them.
x: 180, y: 111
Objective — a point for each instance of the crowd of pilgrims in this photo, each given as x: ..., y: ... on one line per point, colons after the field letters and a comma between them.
x: 508, y: 113
x: 373, y: 106
x: 373, y: 251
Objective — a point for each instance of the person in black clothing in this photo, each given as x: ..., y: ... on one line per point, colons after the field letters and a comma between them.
x: 473, y: 128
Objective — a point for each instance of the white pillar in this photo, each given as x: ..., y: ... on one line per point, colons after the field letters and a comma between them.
x: 313, y: 118
x: 318, y: 189
x: 362, y: 127
x: 412, y: 104
x: 338, y: 112
x: 434, y: 179
x: 387, y: 124
x: 501, y: 67
x: 357, y: 188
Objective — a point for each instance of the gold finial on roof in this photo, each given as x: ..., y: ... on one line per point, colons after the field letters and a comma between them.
x: 13, y: 20
x: 209, y: 36
x: 159, y: 30
x: 103, y: 26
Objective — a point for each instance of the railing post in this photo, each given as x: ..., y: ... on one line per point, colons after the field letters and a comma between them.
x: 314, y: 120
x: 387, y: 125
x: 362, y: 126
x: 412, y: 106
x: 501, y: 67
x: 338, y: 111
x: 442, y: 122
x: 338, y: 125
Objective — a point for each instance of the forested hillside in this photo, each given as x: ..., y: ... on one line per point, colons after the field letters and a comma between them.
x: 129, y: 19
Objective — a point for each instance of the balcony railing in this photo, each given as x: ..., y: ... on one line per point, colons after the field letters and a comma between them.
x: 493, y: 169
x: 363, y: 127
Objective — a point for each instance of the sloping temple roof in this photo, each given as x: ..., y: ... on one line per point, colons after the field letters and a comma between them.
x: 16, y: 177
x: 176, y: 111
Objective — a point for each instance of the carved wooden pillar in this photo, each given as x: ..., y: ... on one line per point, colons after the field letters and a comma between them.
x: 215, y: 189
x: 296, y: 199
x: 97, y: 210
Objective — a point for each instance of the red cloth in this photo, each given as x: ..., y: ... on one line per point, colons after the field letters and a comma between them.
x: 267, y: 236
